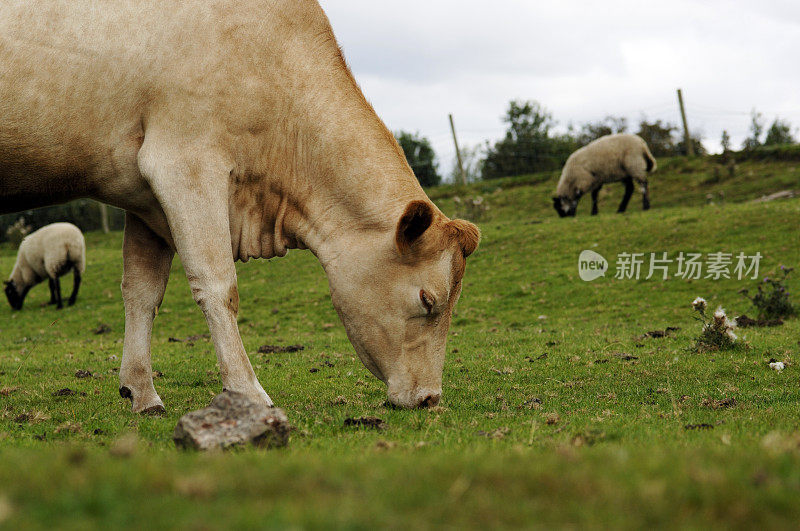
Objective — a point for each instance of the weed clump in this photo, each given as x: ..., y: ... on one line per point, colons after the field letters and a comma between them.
x: 471, y: 208
x: 17, y: 231
x: 772, y: 298
x: 717, y: 332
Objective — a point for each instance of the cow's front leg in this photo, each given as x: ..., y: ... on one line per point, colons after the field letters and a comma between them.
x: 147, y: 259
x: 194, y: 196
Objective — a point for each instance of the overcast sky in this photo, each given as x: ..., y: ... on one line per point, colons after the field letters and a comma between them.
x: 418, y: 60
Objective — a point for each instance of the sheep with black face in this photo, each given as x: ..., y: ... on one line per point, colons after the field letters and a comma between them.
x: 49, y: 253
x: 612, y: 158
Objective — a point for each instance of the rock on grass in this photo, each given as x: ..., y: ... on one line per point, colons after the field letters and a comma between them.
x: 232, y: 420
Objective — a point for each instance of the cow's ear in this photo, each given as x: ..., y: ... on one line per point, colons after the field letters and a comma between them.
x: 467, y: 234
x: 413, y: 224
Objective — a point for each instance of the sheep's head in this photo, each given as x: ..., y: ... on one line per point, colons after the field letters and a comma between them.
x: 14, y: 296
x: 565, y: 206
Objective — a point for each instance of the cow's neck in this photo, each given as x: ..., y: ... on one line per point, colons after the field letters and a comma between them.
x: 324, y: 184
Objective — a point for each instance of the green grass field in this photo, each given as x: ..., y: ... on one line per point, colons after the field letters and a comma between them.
x: 556, y: 412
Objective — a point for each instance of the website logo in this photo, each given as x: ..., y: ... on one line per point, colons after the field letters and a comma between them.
x: 591, y: 265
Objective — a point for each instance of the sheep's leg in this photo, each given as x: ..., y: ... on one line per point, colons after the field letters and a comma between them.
x: 645, y: 196
x: 57, y: 290
x: 594, y: 200
x: 628, y: 182
x: 146, y: 262
x: 52, y: 290
x: 76, y: 284
x: 194, y: 197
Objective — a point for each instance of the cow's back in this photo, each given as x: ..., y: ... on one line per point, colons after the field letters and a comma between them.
x: 79, y: 80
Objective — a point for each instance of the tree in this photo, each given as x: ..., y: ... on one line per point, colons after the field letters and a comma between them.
x: 607, y: 126
x: 472, y: 160
x: 695, y: 139
x: 420, y: 157
x: 780, y: 132
x: 725, y: 142
x: 84, y: 213
x: 659, y: 137
x: 756, y: 128
x: 528, y: 146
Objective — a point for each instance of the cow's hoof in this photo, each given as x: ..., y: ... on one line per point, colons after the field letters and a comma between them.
x: 146, y: 405
x: 254, y: 392
x: 260, y: 396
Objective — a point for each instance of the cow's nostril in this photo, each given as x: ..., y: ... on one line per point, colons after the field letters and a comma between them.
x: 430, y: 401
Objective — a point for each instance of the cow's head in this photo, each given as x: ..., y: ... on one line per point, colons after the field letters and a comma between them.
x: 395, y: 295
x: 15, y: 296
x: 566, y: 206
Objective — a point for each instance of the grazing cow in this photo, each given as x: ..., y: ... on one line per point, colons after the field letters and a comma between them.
x: 610, y: 158
x: 229, y: 130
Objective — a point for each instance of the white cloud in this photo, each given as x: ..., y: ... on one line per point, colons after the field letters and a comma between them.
x: 418, y: 60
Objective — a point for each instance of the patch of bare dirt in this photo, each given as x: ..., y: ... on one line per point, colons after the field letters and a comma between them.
x: 539, y: 357
x: 588, y: 438
x: 365, y: 422
x: 278, y: 349
x: 725, y: 403
x: 189, y: 340
x: 83, y: 373
x: 531, y: 403
x: 703, y: 426
x: 552, y: 418
x: 68, y: 427
x: 31, y: 417
x: 661, y: 333
x: 102, y: 328
x: 66, y: 391
x: 744, y: 321
x: 498, y: 433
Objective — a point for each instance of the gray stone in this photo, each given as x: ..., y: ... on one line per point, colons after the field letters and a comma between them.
x: 783, y: 194
x: 232, y: 420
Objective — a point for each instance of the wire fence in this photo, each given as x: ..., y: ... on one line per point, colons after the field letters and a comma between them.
x: 737, y: 123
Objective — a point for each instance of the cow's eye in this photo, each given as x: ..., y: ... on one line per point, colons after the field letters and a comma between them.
x: 427, y: 301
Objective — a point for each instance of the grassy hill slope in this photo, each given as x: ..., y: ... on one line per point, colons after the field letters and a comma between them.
x: 556, y: 409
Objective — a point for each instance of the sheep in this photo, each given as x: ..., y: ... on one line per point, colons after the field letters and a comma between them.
x: 50, y: 252
x: 611, y: 158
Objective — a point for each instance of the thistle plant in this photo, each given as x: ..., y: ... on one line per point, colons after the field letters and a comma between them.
x: 717, y: 332
x: 471, y: 208
x: 772, y: 297
x: 17, y: 232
